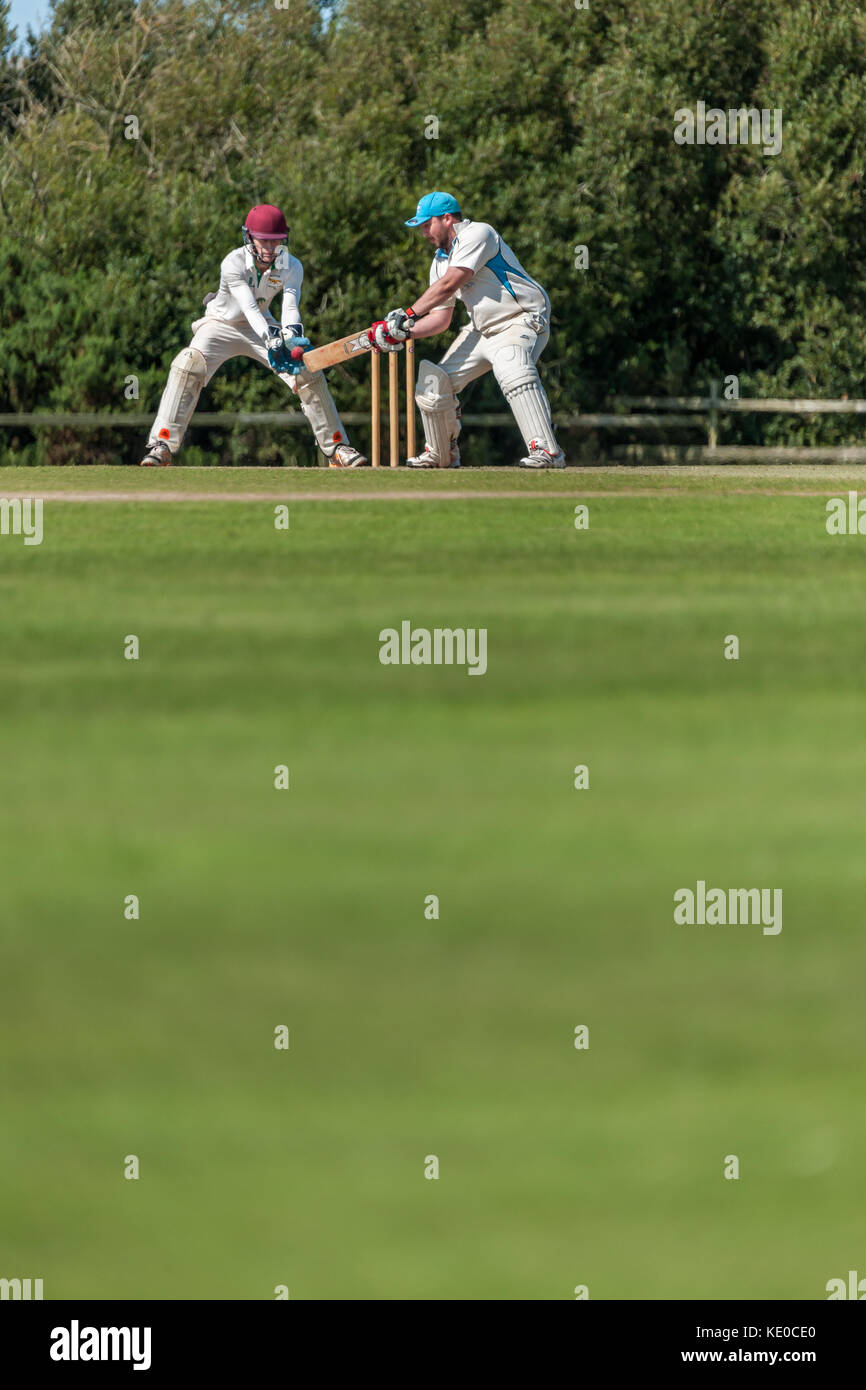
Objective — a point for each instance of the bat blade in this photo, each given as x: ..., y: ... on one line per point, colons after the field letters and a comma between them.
x: 355, y: 345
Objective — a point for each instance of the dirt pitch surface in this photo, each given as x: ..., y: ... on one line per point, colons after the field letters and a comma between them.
x: 117, y: 485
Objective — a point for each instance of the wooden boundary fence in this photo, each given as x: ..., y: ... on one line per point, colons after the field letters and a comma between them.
x: 633, y: 413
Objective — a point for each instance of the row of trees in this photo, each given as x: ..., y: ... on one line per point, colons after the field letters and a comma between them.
x: 552, y: 122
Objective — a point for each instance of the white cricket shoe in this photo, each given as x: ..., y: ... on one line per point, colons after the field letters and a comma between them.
x: 344, y: 456
x: 158, y: 456
x: 539, y: 457
x: 429, y: 460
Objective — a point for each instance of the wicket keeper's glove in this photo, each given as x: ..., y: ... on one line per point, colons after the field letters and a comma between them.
x: 279, y: 357
x: 295, y: 340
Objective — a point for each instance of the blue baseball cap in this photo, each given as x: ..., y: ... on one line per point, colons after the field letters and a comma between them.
x: 433, y: 205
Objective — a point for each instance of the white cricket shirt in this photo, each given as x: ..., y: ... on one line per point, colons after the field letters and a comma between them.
x: 500, y: 289
x: 244, y: 294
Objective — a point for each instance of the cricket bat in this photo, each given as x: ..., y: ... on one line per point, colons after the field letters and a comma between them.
x: 315, y: 358
x: 340, y: 351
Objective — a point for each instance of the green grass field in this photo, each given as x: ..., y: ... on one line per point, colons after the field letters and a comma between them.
x: 413, y: 1037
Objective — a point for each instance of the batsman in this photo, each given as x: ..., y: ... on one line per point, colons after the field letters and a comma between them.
x: 508, y: 329
x: 238, y: 323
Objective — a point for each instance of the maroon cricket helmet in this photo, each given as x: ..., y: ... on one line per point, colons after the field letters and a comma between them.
x: 266, y: 223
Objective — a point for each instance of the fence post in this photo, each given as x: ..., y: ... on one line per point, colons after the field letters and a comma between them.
x: 713, y: 434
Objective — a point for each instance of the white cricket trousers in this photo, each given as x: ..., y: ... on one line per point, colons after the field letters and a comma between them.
x: 218, y: 341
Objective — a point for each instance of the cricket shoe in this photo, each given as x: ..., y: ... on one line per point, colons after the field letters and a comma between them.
x: 539, y: 457
x: 344, y: 456
x: 157, y: 456
x: 429, y: 460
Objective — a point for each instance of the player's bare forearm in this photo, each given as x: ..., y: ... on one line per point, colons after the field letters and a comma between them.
x: 433, y: 322
x: 439, y: 294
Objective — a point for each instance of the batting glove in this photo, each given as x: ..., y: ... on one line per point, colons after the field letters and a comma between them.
x: 380, y: 339
x: 399, y: 324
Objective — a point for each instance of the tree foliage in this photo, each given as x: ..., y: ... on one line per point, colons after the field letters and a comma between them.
x: 552, y: 123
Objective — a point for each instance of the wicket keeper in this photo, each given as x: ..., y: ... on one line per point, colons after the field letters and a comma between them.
x: 238, y: 323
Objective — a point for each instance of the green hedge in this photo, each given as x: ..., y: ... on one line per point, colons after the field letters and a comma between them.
x: 554, y: 124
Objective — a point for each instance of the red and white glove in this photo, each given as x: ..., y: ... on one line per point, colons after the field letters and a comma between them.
x: 399, y: 324
x: 379, y: 338
x: 390, y: 333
